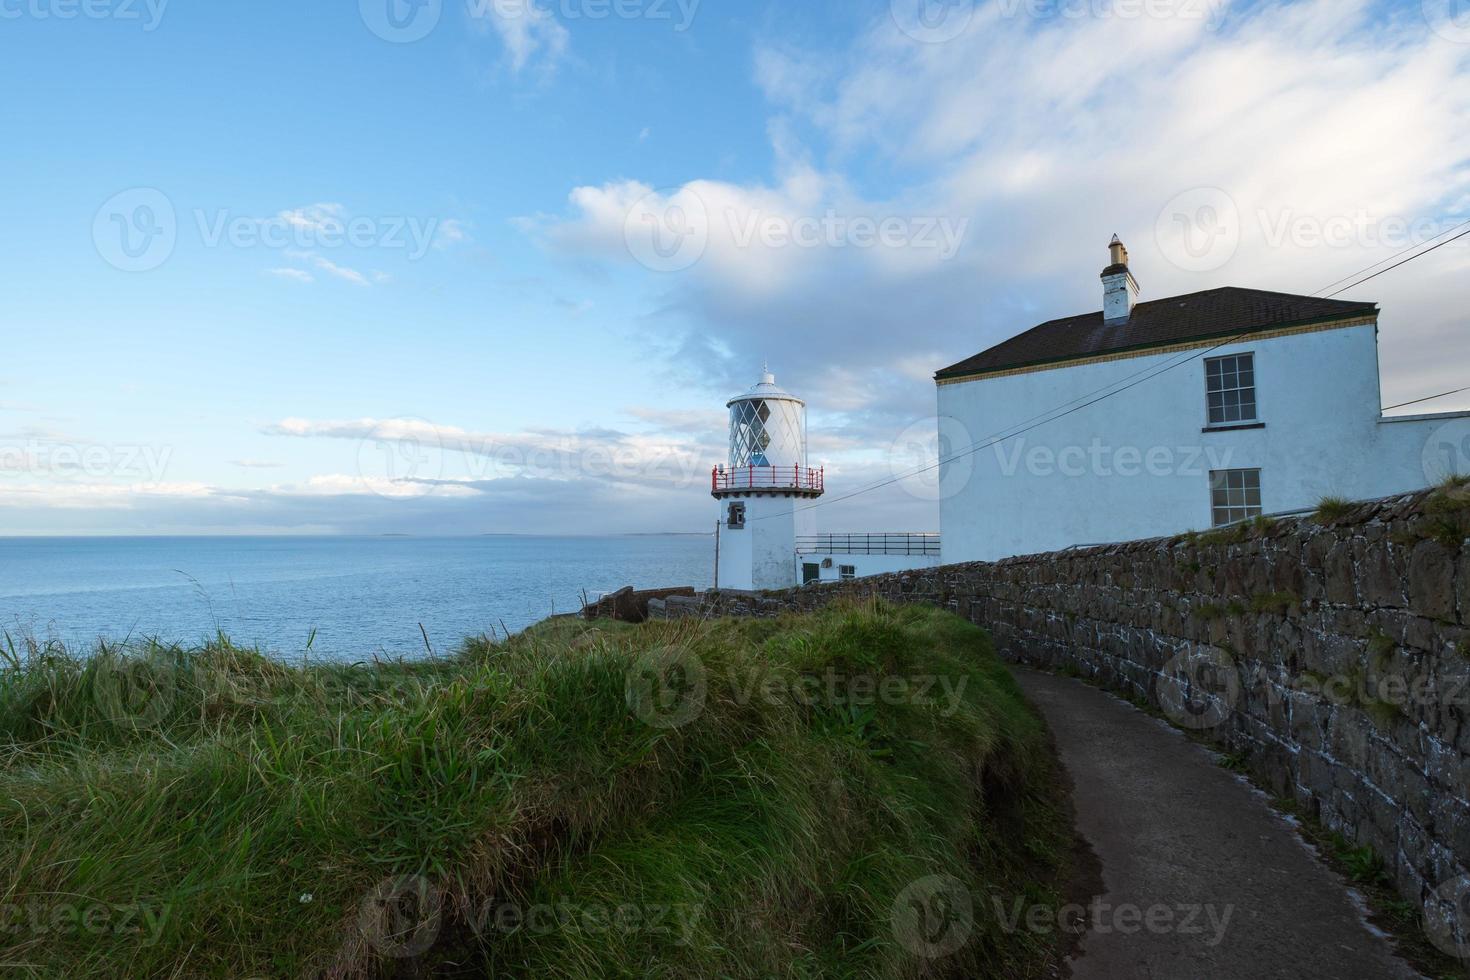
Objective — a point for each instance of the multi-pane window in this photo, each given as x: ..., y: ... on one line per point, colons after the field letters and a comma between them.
x: 1235, y: 495
x: 1230, y: 385
x: 847, y: 572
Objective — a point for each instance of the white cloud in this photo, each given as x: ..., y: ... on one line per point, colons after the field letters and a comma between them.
x: 451, y: 231
x: 1048, y: 137
x: 416, y: 450
x: 82, y: 495
x: 315, y: 218
x: 324, y: 264
x: 295, y: 275
x: 526, y: 30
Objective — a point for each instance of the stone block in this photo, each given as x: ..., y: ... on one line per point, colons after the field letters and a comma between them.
x: 1432, y: 581
x: 1338, y: 574
x: 1380, y: 583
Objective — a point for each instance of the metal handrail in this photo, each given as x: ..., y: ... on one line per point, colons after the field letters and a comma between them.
x: 801, y: 478
x: 896, y: 543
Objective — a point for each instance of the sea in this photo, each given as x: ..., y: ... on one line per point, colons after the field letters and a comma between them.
x: 341, y: 598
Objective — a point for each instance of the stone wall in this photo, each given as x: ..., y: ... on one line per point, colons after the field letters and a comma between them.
x: 631, y: 606
x: 1332, y: 655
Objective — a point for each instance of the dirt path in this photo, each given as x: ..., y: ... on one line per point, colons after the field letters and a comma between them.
x: 1202, y: 879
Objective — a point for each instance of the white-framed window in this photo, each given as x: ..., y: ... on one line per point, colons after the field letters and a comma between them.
x: 847, y: 572
x: 1235, y: 495
x: 1230, y: 388
x: 736, y: 519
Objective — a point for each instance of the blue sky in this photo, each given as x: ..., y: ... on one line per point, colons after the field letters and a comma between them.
x: 498, y: 350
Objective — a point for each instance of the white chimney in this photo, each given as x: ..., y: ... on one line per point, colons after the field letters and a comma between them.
x: 1120, y: 289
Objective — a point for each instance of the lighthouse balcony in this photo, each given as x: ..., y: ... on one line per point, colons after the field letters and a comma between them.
x: 801, y: 480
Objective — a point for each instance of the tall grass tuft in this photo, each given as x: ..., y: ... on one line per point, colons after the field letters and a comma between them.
x: 671, y: 799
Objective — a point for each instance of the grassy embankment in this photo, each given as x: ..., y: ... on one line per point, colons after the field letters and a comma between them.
x: 211, y: 812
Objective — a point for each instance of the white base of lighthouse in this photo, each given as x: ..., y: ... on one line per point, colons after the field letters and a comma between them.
x: 758, y: 551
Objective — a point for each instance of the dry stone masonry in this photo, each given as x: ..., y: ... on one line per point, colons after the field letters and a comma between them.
x: 1331, y: 653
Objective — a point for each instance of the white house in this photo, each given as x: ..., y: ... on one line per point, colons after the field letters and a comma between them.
x: 1238, y: 403
x: 767, y: 531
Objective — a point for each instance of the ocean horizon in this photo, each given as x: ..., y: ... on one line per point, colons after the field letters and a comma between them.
x: 331, y: 597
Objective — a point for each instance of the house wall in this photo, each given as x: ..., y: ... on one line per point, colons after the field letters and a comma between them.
x: 1138, y: 465
x: 864, y: 565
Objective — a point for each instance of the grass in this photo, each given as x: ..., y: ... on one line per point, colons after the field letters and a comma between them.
x: 1280, y: 603
x: 1237, y: 533
x: 211, y: 812
x: 1331, y: 509
x: 1446, y: 514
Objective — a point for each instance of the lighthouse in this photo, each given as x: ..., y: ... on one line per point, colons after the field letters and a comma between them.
x: 765, y: 490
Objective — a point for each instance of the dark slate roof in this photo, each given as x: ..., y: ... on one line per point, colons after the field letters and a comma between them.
x: 1214, y: 313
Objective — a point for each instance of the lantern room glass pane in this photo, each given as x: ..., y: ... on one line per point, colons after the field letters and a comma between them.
x: 749, y: 439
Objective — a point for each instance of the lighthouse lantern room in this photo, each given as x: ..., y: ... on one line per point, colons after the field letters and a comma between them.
x: 764, y: 490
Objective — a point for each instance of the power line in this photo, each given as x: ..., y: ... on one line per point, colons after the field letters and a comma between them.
x: 1005, y: 434
x: 1000, y: 435
x: 1395, y: 255
x: 1431, y: 398
x: 1406, y: 261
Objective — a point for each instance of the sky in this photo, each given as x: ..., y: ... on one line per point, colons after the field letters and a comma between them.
x: 480, y: 266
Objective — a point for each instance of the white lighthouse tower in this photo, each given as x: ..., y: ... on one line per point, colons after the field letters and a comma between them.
x: 765, y: 489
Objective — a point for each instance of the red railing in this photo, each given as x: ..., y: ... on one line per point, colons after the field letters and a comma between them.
x: 802, y: 479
